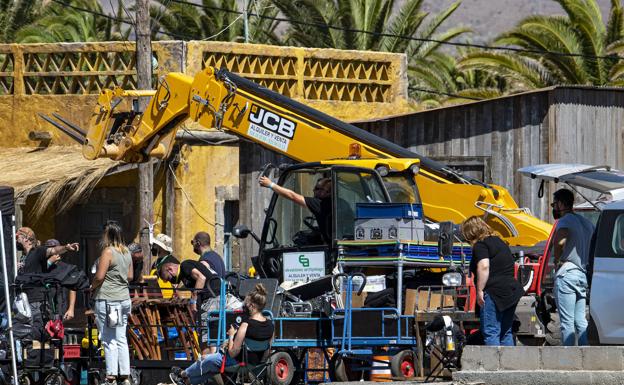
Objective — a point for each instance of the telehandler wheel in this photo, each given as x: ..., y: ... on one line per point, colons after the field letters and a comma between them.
x: 282, y: 369
x: 553, y: 331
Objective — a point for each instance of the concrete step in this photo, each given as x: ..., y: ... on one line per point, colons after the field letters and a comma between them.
x: 543, y: 365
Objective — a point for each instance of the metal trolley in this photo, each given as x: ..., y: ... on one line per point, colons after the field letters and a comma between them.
x: 349, y: 341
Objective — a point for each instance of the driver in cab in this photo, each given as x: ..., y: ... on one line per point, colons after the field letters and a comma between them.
x: 319, y: 205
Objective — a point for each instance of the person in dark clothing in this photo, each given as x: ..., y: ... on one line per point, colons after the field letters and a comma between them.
x: 498, y: 292
x: 37, y: 260
x: 320, y: 205
x: 68, y: 300
x: 136, y: 251
x: 192, y: 274
x: 201, y: 247
x: 255, y: 327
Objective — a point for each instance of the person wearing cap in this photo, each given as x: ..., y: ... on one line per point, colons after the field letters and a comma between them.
x: 201, y: 247
x: 34, y: 260
x: 53, y: 261
x: 161, y: 245
x: 136, y: 251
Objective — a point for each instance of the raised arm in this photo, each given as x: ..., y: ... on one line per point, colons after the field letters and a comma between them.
x: 58, y: 250
x: 283, y: 191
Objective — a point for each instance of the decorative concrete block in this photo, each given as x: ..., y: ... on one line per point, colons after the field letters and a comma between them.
x: 480, y: 358
x: 603, y: 358
x: 561, y: 358
x: 519, y: 358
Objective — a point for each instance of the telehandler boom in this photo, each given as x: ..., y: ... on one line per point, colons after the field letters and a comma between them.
x: 222, y: 100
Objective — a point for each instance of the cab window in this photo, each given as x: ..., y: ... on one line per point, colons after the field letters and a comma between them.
x: 610, y: 235
x: 617, y: 242
x: 352, y: 188
x: 290, y: 224
x: 401, y: 188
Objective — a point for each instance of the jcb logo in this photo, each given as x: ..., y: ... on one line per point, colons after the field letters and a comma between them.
x: 304, y: 261
x: 272, y: 121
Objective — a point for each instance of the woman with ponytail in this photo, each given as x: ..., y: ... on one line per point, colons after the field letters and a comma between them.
x: 254, y: 326
x: 112, y: 303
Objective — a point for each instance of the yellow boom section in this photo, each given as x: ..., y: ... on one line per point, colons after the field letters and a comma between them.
x: 222, y: 100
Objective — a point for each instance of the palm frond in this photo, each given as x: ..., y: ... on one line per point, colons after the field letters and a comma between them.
x: 430, y: 28
x: 522, y: 72
x: 406, y: 22
x: 615, y: 23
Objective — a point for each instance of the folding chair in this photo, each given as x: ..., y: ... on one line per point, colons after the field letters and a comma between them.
x: 257, y: 372
x: 445, y: 342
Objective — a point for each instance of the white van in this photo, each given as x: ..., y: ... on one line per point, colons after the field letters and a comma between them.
x: 603, y: 190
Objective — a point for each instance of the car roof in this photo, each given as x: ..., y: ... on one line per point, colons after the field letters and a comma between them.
x: 552, y: 171
x: 602, y: 179
x: 615, y: 205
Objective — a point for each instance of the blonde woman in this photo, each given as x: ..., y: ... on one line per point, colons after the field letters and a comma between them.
x: 112, y: 303
x: 498, y: 292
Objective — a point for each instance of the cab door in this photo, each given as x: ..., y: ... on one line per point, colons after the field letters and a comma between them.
x: 291, y: 245
x: 607, y: 280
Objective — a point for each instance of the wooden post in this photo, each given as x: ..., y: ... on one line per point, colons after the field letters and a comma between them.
x: 170, y: 198
x: 144, y: 82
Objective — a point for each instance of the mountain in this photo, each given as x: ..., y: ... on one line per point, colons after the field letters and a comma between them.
x: 488, y: 18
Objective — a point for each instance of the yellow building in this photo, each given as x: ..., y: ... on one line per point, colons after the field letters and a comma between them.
x: 61, y: 195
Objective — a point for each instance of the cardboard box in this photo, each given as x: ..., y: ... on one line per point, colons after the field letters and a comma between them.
x: 356, y: 300
x: 415, y: 300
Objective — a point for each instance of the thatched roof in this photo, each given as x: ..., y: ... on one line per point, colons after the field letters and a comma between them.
x: 59, y: 172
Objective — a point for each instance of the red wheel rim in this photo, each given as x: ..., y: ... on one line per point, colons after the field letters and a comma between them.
x: 281, y: 369
x: 407, y: 367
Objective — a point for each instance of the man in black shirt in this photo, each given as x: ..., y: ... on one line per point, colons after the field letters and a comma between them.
x: 201, y: 247
x: 36, y: 260
x: 320, y: 204
x: 193, y: 274
x: 67, y: 299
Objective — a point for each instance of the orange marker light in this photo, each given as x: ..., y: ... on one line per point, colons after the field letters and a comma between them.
x: 355, y: 151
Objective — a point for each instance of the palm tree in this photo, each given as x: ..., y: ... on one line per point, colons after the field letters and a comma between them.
x: 582, y: 49
x: 214, y: 20
x: 339, y: 24
x: 15, y: 14
x: 64, y: 24
x: 437, y: 81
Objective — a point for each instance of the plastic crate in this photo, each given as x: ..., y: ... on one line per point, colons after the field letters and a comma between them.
x: 389, y: 210
x: 71, y: 351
